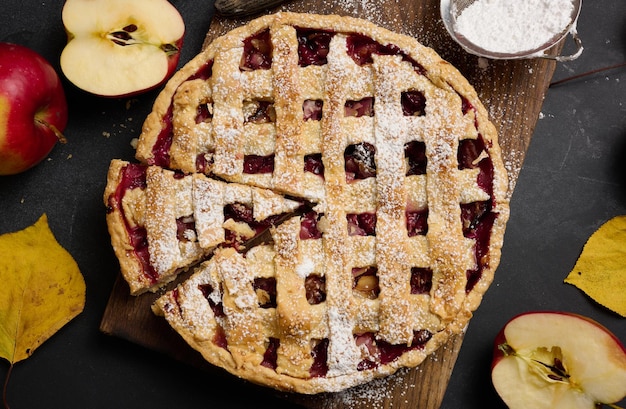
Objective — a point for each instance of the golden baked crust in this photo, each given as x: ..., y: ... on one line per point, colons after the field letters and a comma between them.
x: 399, y: 256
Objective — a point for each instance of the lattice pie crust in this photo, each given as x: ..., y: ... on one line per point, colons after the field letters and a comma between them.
x: 385, y: 159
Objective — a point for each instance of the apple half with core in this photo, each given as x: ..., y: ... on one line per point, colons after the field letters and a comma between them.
x: 558, y: 360
x: 33, y: 108
x: 120, y: 48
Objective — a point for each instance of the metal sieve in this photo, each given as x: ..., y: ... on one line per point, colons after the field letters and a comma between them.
x: 452, y: 9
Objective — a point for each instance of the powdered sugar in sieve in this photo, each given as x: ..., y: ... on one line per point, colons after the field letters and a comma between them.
x: 510, y: 29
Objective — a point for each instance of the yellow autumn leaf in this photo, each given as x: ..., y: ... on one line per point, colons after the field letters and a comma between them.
x: 600, y: 271
x: 42, y: 289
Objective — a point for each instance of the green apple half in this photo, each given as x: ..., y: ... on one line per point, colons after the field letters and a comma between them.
x: 558, y: 360
x: 120, y: 48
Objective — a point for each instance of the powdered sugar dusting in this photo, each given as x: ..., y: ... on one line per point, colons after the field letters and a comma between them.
x: 343, y: 354
x: 371, y: 10
x: 376, y: 394
x: 306, y: 267
x: 513, y: 165
x: 512, y: 26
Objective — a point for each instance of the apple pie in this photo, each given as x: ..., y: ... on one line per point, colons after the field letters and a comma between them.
x: 394, y: 211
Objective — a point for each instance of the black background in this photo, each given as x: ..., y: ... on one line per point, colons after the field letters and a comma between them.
x: 573, y: 180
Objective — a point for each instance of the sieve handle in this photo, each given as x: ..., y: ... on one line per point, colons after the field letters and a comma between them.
x: 242, y: 8
x: 579, y: 49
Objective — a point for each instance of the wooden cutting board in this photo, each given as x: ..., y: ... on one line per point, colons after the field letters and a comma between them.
x: 512, y: 91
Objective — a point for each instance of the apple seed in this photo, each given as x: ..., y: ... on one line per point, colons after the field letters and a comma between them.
x: 553, y: 372
x: 124, y: 37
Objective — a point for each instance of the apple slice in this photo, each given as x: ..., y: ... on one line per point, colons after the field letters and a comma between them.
x: 558, y: 360
x: 120, y: 48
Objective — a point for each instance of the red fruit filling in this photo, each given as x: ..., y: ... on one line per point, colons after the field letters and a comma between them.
x: 472, y: 216
x: 259, y: 112
x: 240, y: 212
x: 308, y: 226
x: 312, y: 109
x: 313, y: 46
x: 186, y: 228
x: 319, y: 368
x: 313, y: 163
x: 270, y: 357
x: 382, y: 352
x: 362, y: 107
x: 415, y: 154
x: 255, y: 164
x: 413, y: 103
x: 217, y: 308
x: 421, y: 280
x: 204, y: 162
x: 265, y: 289
x: 359, y: 161
x: 361, y: 48
x: 477, y: 221
x: 257, y: 52
x: 365, y: 282
x: 203, y: 113
x: 469, y: 157
x: 163, y: 143
x: 133, y: 176
x: 469, y: 152
x: 477, y: 218
x: 466, y: 105
x: 315, y: 286
x: 361, y: 224
x: 220, y: 338
x: 204, y: 72
x: 417, y: 222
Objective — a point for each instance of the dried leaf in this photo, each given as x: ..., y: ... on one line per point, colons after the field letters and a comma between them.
x: 600, y: 271
x: 42, y: 289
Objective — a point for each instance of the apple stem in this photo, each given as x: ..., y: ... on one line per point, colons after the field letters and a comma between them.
x: 54, y: 129
x: 613, y: 406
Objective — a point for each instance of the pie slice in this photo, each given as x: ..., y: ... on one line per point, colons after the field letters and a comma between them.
x: 396, y: 151
x: 162, y: 222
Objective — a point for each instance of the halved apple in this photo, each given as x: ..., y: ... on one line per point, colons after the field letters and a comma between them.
x: 118, y: 47
x: 558, y: 360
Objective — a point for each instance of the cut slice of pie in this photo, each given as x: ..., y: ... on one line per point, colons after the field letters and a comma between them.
x: 162, y: 222
x: 395, y: 149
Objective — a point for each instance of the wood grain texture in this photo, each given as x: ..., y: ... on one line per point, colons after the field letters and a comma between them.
x: 512, y: 91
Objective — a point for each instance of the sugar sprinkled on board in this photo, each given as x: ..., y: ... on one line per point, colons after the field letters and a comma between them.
x: 511, y: 26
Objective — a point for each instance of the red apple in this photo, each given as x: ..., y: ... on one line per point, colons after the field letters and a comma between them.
x: 558, y: 360
x: 121, y: 48
x: 33, y: 109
